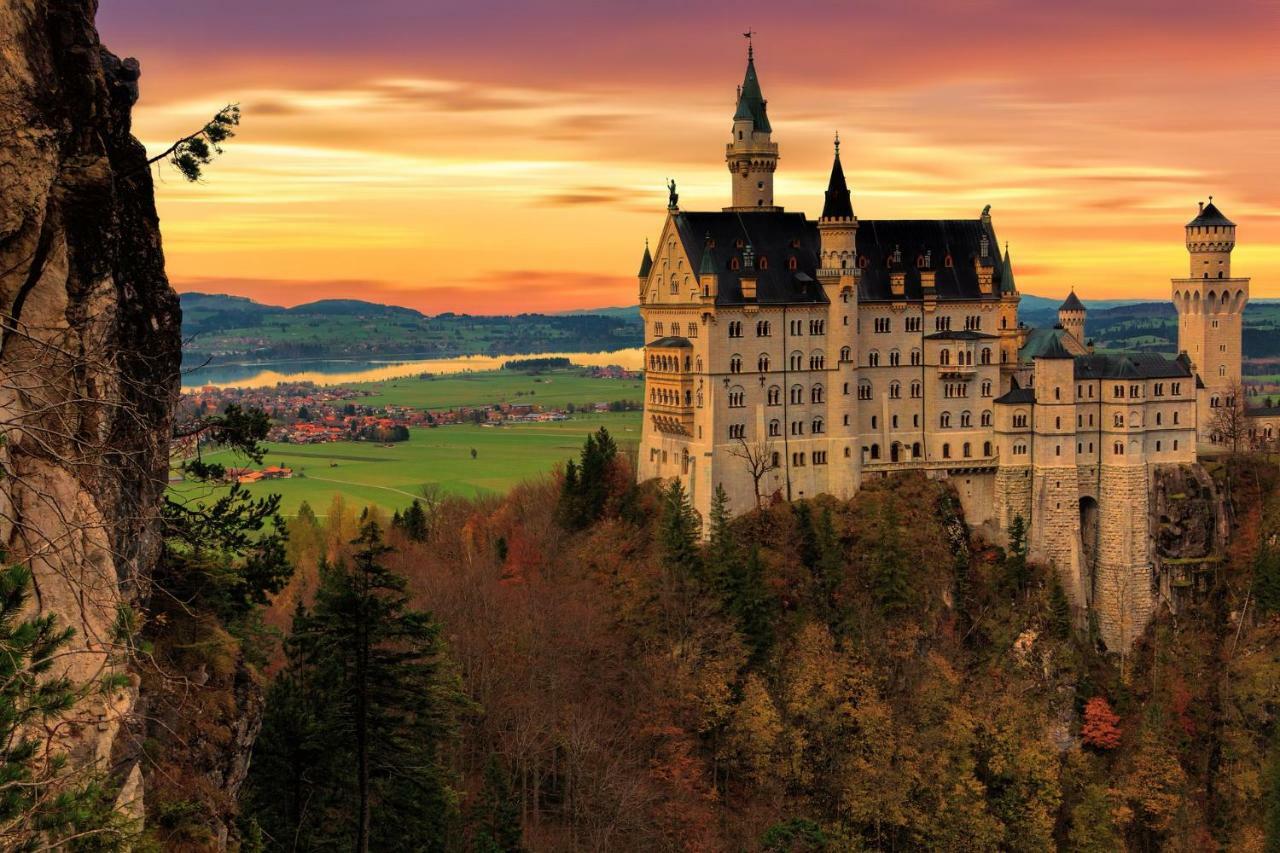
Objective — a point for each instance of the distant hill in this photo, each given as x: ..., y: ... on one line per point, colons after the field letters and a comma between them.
x: 222, y: 329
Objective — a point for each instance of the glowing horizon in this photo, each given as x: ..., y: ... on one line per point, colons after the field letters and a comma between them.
x: 501, y: 158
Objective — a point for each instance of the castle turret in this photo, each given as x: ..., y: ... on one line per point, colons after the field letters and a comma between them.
x: 1055, y: 489
x: 1071, y: 314
x: 838, y: 274
x: 752, y: 157
x: 1210, y: 305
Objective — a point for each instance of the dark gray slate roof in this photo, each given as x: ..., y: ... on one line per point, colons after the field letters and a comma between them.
x: 1017, y: 395
x: 1053, y: 348
x: 670, y: 341
x: 837, y: 204
x: 778, y: 236
x: 1072, y: 303
x: 1132, y: 365
x: 1210, y: 216
x: 646, y: 263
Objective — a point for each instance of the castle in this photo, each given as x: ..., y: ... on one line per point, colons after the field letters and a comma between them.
x: 788, y: 358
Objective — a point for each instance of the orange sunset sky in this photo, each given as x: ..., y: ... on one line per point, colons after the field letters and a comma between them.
x: 499, y: 157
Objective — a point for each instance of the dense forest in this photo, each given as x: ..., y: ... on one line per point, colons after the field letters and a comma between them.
x: 819, y: 675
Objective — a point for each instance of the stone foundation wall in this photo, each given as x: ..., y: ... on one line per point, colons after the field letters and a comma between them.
x: 1012, y: 496
x: 1122, y: 582
x: 1055, y: 527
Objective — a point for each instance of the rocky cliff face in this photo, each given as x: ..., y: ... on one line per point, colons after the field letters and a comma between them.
x: 90, y: 347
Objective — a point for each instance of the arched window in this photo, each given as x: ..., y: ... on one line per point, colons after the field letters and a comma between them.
x: 1119, y: 419
x: 986, y: 419
x: 817, y: 361
x: 986, y: 355
x: 895, y: 358
x: 944, y: 420
x: 873, y: 358
x: 818, y: 426
x: 797, y: 360
x: 986, y: 448
x: 946, y: 451
x: 762, y: 363
x: 775, y: 428
x: 875, y: 451
x: 915, y: 358
x: 737, y: 397
x: 966, y: 451
x: 895, y: 390
x: 797, y: 395
x: 775, y: 395
x: 966, y: 419
x: 792, y: 264
x: 763, y: 263
x: 846, y: 354
x: 915, y: 450
x: 916, y: 390
x: 735, y: 363
x: 815, y: 394
x: 945, y: 356
x: 763, y: 329
x: 864, y: 390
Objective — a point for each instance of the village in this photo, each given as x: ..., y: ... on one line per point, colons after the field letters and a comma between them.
x: 305, y: 413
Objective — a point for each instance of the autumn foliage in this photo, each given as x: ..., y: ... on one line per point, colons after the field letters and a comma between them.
x: 825, y: 675
x: 1101, y: 727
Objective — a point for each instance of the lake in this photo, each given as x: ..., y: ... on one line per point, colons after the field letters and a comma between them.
x: 341, y: 371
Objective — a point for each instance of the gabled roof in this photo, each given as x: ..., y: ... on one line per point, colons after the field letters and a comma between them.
x: 751, y: 103
x: 777, y: 236
x: 646, y: 263
x: 711, y: 242
x: 837, y: 204
x: 1054, y: 349
x: 1071, y: 303
x: 959, y: 238
x: 1131, y: 365
x: 671, y: 342
x: 1210, y: 216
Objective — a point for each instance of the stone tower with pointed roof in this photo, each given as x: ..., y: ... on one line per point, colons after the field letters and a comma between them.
x: 1071, y: 314
x: 1210, y: 305
x: 751, y: 155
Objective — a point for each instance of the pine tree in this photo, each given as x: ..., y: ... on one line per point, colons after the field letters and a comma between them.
x: 41, y: 803
x: 749, y: 603
x: 678, y: 533
x: 415, y: 522
x: 1271, y: 798
x: 1015, y: 564
x: 384, y: 698
x: 890, y: 584
x: 569, y: 510
x: 723, y: 554
x: 827, y: 568
x: 1059, y: 610
x: 496, y: 819
x: 585, y: 491
x: 1266, y: 579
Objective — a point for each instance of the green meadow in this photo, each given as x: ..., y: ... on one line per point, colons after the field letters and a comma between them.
x: 552, y: 389
x: 391, y: 477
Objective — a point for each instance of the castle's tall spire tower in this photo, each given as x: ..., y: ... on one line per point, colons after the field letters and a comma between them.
x: 1210, y: 307
x: 751, y: 156
x: 838, y: 274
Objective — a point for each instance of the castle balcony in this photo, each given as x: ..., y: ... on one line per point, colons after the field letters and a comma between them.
x: 975, y: 464
x: 964, y: 371
x: 673, y: 420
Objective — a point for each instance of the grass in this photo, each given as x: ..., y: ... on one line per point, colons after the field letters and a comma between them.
x: 391, y: 477
x: 553, y: 388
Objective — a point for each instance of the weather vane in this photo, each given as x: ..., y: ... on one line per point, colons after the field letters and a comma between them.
x: 747, y: 35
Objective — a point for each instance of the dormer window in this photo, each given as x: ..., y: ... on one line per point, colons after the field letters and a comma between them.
x: 764, y: 263
x: 947, y: 261
x: 733, y: 264
x: 792, y: 263
x: 920, y: 262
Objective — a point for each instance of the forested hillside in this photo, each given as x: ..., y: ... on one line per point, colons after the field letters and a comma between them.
x: 823, y: 675
x: 220, y: 328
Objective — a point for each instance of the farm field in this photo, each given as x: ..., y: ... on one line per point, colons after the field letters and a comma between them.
x: 391, y: 477
x: 551, y: 388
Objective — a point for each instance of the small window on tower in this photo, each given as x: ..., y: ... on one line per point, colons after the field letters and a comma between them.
x: 792, y: 263
x: 764, y: 263
x: 733, y: 263
x: 759, y: 185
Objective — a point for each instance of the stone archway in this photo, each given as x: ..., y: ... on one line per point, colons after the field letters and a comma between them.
x: 1089, y: 533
